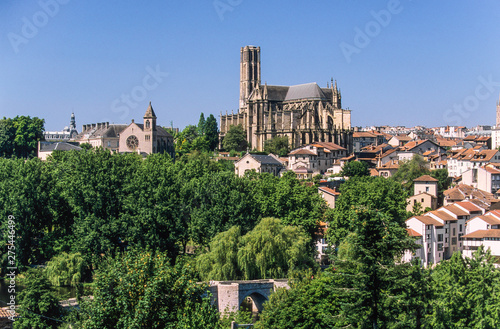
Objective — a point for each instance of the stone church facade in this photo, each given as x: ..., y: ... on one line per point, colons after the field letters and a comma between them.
x: 146, y: 137
x: 305, y: 113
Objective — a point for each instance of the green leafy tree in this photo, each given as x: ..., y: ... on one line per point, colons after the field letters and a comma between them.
x: 443, y: 182
x: 409, y: 299
x: 309, y: 303
x: 270, y: 250
x: 273, y: 250
x: 39, y: 308
x: 288, y: 199
x: 355, y: 169
x: 7, y: 136
x: 235, y: 139
x: 92, y: 183
x: 212, y: 132
x: 19, y: 136
x: 277, y: 145
x: 368, y: 255
x: 221, y: 263
x: 410, y: 170
x: 151, y: 216
x: 385, y: 195
x: 25, y: 194
x: 466, y: 292
x: 140, y: 289
x: 201, y: 125
x: 66, y: 269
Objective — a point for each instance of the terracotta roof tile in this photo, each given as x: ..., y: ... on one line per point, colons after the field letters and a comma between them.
x: 412, y: 232
x: 425, y: 178
x: 442, y: 215
x: 328, y: 190
x: 469, y: 206
x: 427, y: 220
x: 481, y: 234
x: 455, y: 210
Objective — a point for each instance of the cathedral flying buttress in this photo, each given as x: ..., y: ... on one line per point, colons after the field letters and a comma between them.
x: 305, y: 113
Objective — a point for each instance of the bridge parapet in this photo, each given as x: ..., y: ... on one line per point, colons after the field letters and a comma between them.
x: 228, y: 295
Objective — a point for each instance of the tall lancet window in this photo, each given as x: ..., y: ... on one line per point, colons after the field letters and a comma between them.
x: 147, y: 124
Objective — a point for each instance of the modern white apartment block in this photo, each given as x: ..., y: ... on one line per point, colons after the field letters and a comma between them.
x: 442, y: 231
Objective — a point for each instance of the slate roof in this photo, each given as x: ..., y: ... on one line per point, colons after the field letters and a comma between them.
x: 111, y: 131
x: 277, y: 93
x: 304, y: 91
x: 57, y: 146
x: 266, y: 159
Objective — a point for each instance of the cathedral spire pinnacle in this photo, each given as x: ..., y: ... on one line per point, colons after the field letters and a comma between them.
x: 150, y: 113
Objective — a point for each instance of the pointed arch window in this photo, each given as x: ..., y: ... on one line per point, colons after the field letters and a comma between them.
x: 148, y: 124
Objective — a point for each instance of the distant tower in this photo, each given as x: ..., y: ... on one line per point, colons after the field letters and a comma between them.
x: 72, y: 126
x: 249, y: 72
x: 150, y: 119
x: 498, y: 114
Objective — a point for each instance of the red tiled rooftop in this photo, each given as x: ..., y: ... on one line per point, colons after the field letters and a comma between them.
x: 427, y: 220
x: 412, y: 232
x: 425, y: 178
x: 455, y: 210
x: 469, y: 206
x: 481, y: 234
x: 328, y: 190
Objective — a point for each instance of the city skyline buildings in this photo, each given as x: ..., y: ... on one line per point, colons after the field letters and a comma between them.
x: 397, y: 62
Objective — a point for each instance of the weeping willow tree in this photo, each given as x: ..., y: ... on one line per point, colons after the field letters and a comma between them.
x: 221, y: 263
x: 274, y: 250
x: 66, y: 269
x: 270, y: 250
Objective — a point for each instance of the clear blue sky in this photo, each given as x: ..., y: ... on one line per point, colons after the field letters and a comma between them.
x: 426, y: 63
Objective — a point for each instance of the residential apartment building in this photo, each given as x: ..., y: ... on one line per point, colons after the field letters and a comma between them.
x: 314, y: 159
x: 466, y: 159
x: 486, y: 178
x: 260, y: 163
x: 442, y: 230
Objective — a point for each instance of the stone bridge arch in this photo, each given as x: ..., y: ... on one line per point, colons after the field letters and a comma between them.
x: 229, y: 295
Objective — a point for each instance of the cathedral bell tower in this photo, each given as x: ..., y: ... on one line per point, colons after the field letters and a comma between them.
x: 150, y: 119
x: 150, y: 128
x: 249, y: 72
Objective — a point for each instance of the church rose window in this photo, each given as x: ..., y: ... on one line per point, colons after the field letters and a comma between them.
x: 132, y: 142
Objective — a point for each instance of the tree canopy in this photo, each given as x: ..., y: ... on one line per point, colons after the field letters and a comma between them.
x: 235, y: 139
x: 141, y: 289
x: 355, y: 169
x: 270, y: 250
x: 278, y: 145
x: 19, y: 136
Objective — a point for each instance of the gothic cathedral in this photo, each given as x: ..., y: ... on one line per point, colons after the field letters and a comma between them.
x: 305, y: 113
